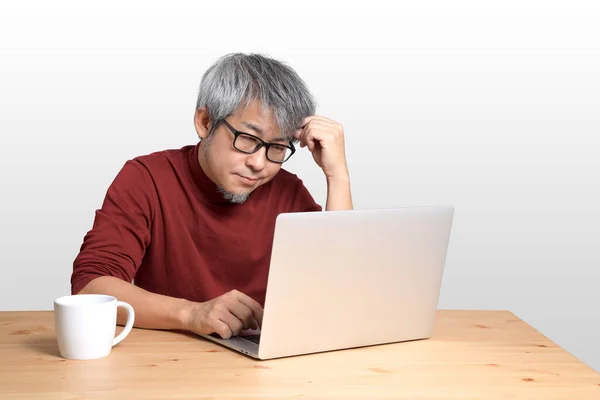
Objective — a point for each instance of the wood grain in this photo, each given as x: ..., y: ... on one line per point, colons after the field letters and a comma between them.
x: 472, y: 355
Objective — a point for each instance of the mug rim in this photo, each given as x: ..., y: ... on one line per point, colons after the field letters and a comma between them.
x: 63, y: 301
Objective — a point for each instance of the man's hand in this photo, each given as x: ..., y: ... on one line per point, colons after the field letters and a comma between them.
x: 226, y: 315
x: 325, y: 140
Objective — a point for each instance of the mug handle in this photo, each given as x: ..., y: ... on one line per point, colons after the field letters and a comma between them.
x: 128, y: 324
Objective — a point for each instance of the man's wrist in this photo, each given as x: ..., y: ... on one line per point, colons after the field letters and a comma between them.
x: 184, y: 315
x: 341, y: 177
x: 339, y: 195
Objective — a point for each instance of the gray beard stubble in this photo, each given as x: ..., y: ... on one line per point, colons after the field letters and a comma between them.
x: 232, y: 197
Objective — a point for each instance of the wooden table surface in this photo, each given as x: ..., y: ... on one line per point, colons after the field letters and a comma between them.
x: 472, y: 355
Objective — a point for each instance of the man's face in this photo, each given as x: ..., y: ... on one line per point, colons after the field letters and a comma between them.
x: 237, y: 174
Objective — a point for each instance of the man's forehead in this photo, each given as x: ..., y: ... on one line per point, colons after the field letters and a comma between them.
x: 273, y: 134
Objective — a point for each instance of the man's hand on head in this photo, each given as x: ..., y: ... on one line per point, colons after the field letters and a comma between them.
x: 226, y: 315
x: 325, y: 140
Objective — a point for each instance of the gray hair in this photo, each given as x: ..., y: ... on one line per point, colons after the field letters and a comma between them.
x: 234, y: 80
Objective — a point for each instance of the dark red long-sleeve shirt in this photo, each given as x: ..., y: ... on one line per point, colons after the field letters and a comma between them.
x: 164, y: 225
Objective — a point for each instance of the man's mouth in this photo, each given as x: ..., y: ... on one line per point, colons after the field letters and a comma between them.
x: 248, y: 180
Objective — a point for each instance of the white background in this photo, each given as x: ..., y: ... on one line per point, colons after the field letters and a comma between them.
x: 493, y: 107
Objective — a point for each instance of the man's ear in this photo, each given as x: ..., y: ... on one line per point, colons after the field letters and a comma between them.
x: 202, y: 122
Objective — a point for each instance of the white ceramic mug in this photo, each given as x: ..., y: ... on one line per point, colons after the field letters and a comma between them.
x: 85, y: 325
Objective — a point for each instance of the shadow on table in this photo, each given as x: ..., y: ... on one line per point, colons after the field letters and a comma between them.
x: 46, y: 345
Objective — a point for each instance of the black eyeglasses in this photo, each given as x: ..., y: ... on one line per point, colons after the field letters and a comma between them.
x: 249, y: 144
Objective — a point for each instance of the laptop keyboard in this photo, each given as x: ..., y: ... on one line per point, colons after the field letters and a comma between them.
x: 251, y: 338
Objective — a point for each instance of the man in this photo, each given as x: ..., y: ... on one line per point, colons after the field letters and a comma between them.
x: 193, y: 228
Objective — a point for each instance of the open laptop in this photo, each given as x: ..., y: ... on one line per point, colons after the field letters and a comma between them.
x: 346, y: 279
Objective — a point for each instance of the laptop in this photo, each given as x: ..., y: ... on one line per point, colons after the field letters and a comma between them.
x: 347, y: 279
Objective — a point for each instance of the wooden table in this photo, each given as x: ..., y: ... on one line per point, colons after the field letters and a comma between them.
x: 472, y: 355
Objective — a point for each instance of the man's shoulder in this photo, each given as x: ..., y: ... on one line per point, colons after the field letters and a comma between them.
x: 164, y: 156
x: 160, y: 161
x: 155, y: 167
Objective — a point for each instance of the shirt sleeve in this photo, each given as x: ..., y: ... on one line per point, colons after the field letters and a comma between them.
x: 120, y: 233
x: 303, y: 200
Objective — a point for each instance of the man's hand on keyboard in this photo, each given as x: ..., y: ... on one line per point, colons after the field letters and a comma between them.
x: 226, y: 315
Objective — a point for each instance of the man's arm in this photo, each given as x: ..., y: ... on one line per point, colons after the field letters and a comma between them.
x: 152, y: 311
x: 121, y: 233
x: 226, y: 315
x: 338, y: 194
x: 325, y: 140
x: 113, y: 250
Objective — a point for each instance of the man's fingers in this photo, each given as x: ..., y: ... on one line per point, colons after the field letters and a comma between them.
x: 314, y: 118
x: 322, y: 122
x: 234, y: 324
x: 222, y: 329
x: 243, y: 313
x: 302, y: 136
x: 257, y: 311
x: 310, y: 140
x: 316, y: 132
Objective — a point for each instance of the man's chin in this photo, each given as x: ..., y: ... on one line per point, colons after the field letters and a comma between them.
x: 234, y: 198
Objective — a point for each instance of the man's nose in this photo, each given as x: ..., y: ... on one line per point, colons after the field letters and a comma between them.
x: 257, y: 161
